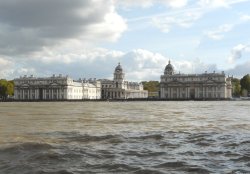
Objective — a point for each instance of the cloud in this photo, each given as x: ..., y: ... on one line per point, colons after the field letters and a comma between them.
x: 237, y: 51
x: 138, y: 64
x: 179, y: 3
x: 195, y: 66
x: 219, y: 3
x: 239, y: 70
x: 29, y: 25
x: 185, y: 16
x: 218, y: 34
x: 5, y: 67
x: 185, y: 20
x: 143, y: 64
x: 214, y: 3
x: 245, y: 18
x: 149, y: 3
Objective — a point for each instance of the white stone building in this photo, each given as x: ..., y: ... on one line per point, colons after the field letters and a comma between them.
x: 55, y: 88
x: 118, y: 88
x: 194, y: 86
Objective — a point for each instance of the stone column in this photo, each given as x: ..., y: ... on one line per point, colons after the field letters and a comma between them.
x: 205, y: 91
x: 215, y: 92
x: 196, y: 92
x: 44, y: 94
x: 177, y: 92
x: 52, y: 93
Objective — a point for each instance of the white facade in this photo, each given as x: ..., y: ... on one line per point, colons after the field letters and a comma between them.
x: 194, y: 86
x: 118, y: 88
x: 55, y: 88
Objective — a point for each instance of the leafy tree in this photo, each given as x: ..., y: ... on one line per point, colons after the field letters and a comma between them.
x: 6, y: 88
x: 3, y: 88
x: 245, y: 83
x: 236, y: 87
x: 10, y: 88
x: 151, y: 86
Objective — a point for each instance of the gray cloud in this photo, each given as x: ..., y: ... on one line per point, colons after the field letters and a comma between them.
x: 138, y: 64
x: 100, y: 63
x: 29, y: 25
x: 240, y: 70
x: 237, y: 51
x: 35, y: 13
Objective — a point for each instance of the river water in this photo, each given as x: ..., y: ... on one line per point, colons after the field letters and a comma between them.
x: 125, y: 137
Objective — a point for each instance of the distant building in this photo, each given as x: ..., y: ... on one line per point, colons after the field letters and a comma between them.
x: 118, y: 88
x: 55, y: 88
x: 194, y: 86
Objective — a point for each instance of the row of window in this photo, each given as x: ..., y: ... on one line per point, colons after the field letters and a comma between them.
x: 32, y: 96
x: 200, y: 88
x: 183, y: 79
x: 33, y: 90
x: 40, y: 81
x: 183, y: 95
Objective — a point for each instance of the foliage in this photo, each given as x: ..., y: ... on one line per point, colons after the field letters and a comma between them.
x: 151, y: 86
x: 236, y: 87
x: 245, y: 83
x: 6, y: 88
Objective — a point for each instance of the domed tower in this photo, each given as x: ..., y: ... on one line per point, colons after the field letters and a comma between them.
x: 118, y: 74
x: 169, y: 69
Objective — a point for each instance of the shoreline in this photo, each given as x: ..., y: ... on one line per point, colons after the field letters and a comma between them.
x: 126, y: 100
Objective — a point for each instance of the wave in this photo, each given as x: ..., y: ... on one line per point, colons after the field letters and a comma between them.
x: 148, y: 152
x: 174, y: 164
x: 28, y: 146
x: 53, y: 172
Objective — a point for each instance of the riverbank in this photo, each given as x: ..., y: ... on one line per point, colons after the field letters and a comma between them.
x: 125, y: 100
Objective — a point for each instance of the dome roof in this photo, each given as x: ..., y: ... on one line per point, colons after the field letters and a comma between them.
x: 118, y: 68
x: 169, y: 69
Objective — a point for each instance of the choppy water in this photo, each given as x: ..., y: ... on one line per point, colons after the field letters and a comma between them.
x: 125, y: 137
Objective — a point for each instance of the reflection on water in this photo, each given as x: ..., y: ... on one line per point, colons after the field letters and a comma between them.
x: 125, y: 137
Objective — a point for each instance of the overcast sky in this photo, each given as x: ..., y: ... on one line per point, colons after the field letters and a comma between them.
x: 87, y: 38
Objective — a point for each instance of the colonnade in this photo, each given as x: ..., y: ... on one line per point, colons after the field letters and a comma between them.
x: 123, y: 94
x: 193, y: 92
x: 40, y: 93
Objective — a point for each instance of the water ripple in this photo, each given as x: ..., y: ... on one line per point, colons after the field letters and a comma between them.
x: 141, y: 137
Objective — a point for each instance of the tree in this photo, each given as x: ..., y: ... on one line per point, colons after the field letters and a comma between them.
x: 10, y: 88
x: 236, y: 87
x: 151, y: 86
x: 245, y: 83
x: 6, y: 88
x: 3, y: 89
